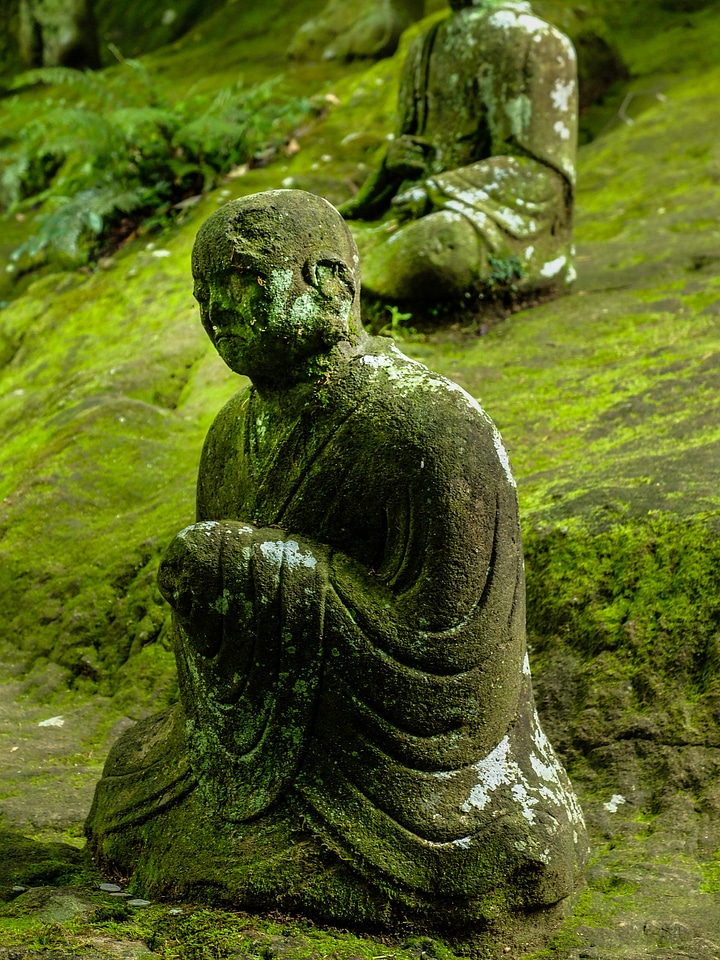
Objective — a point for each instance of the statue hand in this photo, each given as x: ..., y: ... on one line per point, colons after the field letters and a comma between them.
x: 407, y: 157
x: 412, y: 203
x: 190, y: 579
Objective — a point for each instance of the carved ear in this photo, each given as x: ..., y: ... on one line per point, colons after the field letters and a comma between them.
x: 330, y: 275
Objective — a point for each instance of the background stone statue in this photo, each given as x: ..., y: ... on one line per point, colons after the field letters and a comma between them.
x: 480, y: 175
x: 356, y: 737
x: 360, y: 29
x: 58, y: 33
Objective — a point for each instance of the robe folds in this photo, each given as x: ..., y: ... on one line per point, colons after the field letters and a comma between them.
x: 350, y: 634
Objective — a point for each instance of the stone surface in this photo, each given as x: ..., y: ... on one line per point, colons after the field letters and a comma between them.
x: 479, y: 179
x: 349, y: 624
x: 363, y: 29
x: 57, y: 33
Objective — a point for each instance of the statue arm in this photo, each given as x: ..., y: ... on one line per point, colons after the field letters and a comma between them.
x: 406, y: 158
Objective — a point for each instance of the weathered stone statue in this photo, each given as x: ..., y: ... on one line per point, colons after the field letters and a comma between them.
x: 480, y: 175
x: 58, y: 33
x: 356, y: 737
x: 354, y: 30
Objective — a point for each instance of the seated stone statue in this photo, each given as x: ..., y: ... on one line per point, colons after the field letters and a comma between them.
x: 356, y: 737
x: 480, y: 175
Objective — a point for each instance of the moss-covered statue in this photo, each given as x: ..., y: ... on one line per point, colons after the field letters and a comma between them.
x: 480, y: 175
x: 356, y: 737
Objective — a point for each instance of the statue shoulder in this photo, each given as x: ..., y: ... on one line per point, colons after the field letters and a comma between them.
x: 223, y: 441
x: 429, y: 413
x: 228, y: 422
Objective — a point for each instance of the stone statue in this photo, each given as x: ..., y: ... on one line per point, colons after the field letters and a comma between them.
x: 359, y: 29
x: 356, y: 737
x: 58, y: 33
x: 480, y: 175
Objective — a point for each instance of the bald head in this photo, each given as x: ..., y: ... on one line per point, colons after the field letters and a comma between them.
x: 280, y: 226
x: 280, y: 269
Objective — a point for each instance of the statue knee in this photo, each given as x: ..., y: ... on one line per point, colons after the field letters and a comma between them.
x: 439, y: 256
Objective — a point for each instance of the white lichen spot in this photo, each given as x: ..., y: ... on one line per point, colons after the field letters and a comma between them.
x: 526, y: 666
x: 503, y: 19
x: 546, y: 771
x: 553, y: 267
x: 529, y: 252
x: 615, y: 801
x: 415, y: 193
x: 566, y: 44
x: 295, y: 558
x: 561, y: 93
x: 525, y: 801
x: 562, y: 130
x: 471, y: 197
x: 571, y: 275
x: 519, y: 112
x: 53, y: 722
x: 493, y: 770
x: 515, y: 222
x: 273, y: 551
x: 376, y: 362
x: 206, y: 527
x: 533, y: 25
x: 278, y: 285
x: 502, y: 455
x: 305, y: 311
x: 463, y: 842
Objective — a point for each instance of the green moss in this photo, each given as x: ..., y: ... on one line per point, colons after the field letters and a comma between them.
x: 26, y: 862
x: 711, y: 875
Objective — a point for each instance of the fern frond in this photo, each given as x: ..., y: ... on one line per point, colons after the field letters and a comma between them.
x: 85, y: 79
x: 61, y: 230
x: 134, y: 121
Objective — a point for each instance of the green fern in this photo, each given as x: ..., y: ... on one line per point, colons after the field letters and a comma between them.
x: 89, y: 82
x: 83, y: 215
x: 87, y: 167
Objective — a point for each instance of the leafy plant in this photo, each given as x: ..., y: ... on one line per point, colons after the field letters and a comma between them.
x: 103, y: 167
x: 396, y: 327
x: 504, y: 271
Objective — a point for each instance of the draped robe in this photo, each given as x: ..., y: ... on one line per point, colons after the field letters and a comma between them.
x: 350, y: 634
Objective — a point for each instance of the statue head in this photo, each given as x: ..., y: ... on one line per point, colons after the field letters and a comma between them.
x: 278, y: 282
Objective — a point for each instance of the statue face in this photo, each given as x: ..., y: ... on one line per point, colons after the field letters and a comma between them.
x: 268, y: 322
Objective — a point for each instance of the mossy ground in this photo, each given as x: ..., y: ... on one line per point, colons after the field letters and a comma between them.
x: 606, y: 400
